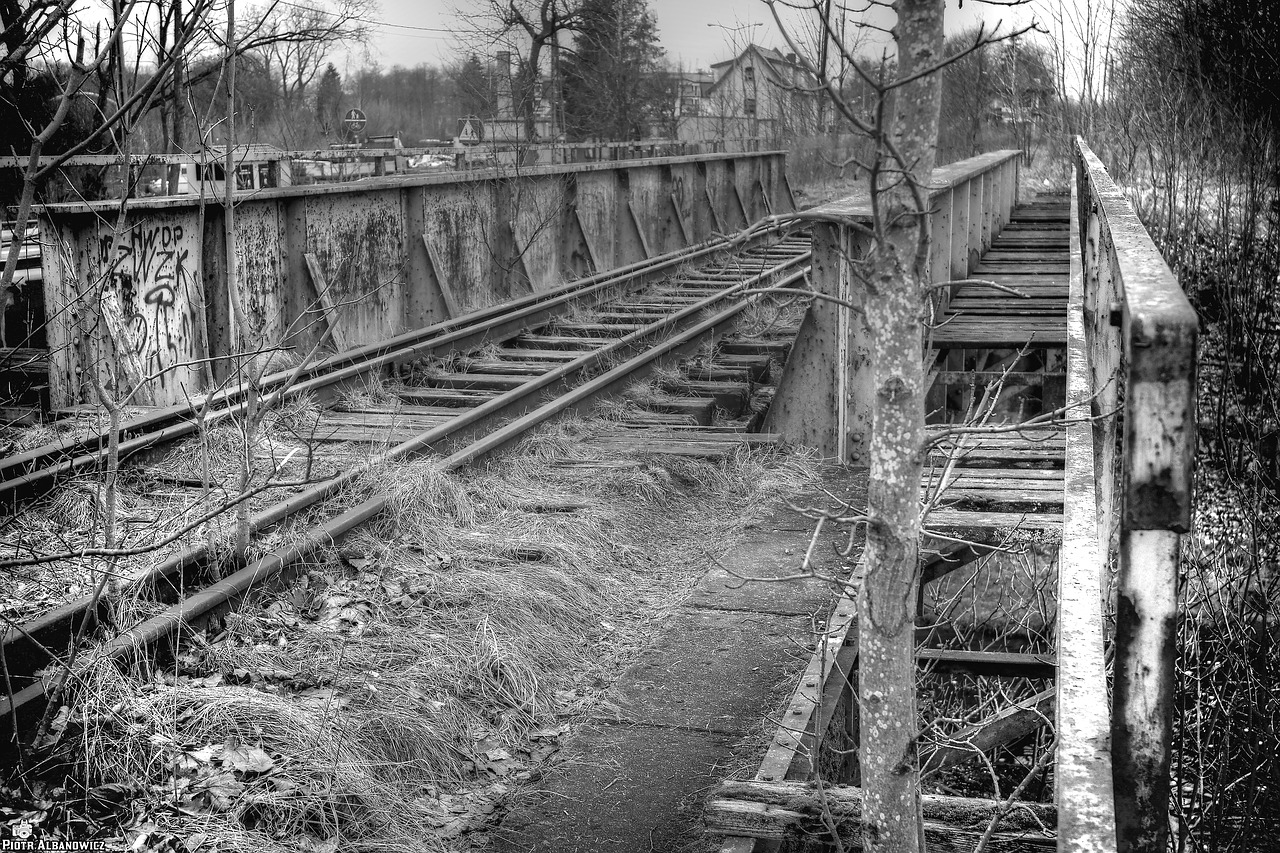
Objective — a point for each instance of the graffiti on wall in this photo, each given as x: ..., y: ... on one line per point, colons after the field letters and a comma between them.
x: 155, y: 276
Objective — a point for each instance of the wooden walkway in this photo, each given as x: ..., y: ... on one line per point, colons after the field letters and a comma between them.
x: 1008, y: 348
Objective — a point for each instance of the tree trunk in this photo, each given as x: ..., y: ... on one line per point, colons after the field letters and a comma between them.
x: 895, y: 305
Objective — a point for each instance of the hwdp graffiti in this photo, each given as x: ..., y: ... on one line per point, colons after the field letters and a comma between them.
x: 155, y: 278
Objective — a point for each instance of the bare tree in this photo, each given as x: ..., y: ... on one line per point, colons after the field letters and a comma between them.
x: 44, y: 30
x: 295, y: 40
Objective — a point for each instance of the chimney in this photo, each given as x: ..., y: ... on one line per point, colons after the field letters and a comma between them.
x: 502, y: 85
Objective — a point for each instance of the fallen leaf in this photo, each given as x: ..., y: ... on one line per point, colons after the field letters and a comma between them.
x: 247, y: 759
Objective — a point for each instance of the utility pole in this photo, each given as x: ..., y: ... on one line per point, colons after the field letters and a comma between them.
x: 176, y: 120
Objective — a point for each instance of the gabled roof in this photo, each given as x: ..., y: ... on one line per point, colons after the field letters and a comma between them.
x: 782, y: 69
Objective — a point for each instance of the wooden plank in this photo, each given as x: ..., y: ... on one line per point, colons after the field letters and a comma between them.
x: 1003, y: 664
x: 1012, y: 377
x: 598, y: 329
x: 560, y: 342
x: 945, y: 519
x: 1025, y: 478
x: 500, y: 382
x: 557, y: 355
x: 460, y: 397
x: 781, y: 810
x: 987, y: 496
x: 326, y: 304
x: 1008, y: 725
x: 510, y: 367
x: 701, y: 409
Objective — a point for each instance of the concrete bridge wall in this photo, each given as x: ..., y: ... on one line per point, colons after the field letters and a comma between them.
x: 148, y: 285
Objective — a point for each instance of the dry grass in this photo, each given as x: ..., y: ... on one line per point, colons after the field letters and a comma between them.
x: 153, y: 503
x: 406, y: 686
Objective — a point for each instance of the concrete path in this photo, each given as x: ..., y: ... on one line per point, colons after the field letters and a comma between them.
x: 636, y: 781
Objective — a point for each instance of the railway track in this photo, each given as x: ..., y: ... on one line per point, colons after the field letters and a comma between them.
x: 33, y: 472
x: 489, y: 378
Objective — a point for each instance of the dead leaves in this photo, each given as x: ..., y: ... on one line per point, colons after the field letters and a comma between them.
x: 213, y: 777
x: 347, y: 604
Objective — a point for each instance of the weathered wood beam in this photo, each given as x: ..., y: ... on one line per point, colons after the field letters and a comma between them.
x: 778, y: 810
x: 1008, y: 725
x: 954, y: 556
x: 1000, y: 664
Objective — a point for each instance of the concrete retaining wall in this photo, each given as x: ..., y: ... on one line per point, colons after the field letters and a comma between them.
x: 394, y: 254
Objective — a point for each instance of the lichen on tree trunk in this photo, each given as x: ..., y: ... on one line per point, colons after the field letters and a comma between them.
x: 896, y: 281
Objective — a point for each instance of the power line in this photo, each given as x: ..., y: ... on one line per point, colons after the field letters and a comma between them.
x: 373, y: 21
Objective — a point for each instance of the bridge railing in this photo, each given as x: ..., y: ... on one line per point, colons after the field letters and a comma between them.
x: 824, y: 398
x: 1131, y: 369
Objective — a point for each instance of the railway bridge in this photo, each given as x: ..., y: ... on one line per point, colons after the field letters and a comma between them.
x: 1061, y: 325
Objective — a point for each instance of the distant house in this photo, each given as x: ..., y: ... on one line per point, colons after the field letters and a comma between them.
x: 759, y: 93
x: 693, y: 92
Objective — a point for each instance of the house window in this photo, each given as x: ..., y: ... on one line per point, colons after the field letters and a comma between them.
x: 212, y: 172
x: 749, y: 74
x: 749, y: 106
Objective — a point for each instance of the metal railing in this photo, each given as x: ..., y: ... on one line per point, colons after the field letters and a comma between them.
x: 1135, y: 369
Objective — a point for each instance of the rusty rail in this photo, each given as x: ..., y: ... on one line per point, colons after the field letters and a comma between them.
x: 1140, y: 337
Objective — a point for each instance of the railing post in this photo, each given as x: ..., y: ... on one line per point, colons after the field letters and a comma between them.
x: 940, y: 233
x: 959, y: 237
x: 973, y: 247
x: 1011, y: 199
x: 940, y: 250
x: 988, y: 211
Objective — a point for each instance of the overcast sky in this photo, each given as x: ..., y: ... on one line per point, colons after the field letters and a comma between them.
x: 695, y: 33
